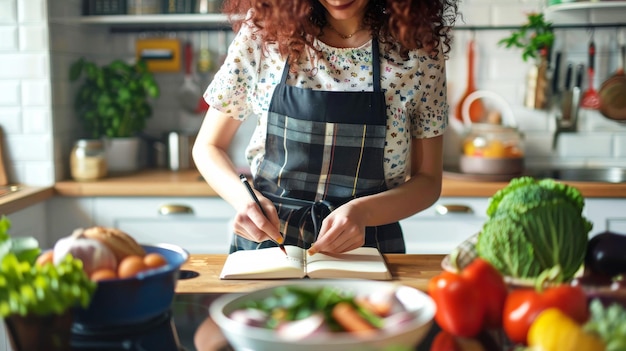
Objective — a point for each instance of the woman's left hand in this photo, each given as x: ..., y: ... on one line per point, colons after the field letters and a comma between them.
x: 342, y: 230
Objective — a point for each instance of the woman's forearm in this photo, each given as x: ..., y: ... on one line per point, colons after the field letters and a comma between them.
x: 212, y: 160
x: 417, y: 194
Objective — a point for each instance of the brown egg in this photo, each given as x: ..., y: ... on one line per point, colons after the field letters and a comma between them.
x: 130, y: 266
x: 103, y: 274
x: 154, y: 260
x: 46, y: 257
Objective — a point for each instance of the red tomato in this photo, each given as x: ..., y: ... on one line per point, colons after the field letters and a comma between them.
x: 523, y: 305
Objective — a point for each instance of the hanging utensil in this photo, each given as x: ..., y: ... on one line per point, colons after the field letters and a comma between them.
x: 591, y: 99
x: 554, y: 87
x: 476, y: 109
x: 613, y: 92
x: 189, y: 92
x: 566, y: 101
x: 3, y: 174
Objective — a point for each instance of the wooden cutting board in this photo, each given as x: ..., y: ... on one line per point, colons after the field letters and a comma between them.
x: 3, y: 174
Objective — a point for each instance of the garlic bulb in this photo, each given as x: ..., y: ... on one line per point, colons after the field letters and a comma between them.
x: 94, y: 254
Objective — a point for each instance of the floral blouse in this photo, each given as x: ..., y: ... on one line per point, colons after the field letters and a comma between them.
x: 415, y: 91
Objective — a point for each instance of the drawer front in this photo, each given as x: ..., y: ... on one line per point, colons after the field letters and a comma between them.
x: 438, y: 236
x: 606, y: 214
x: 199, y: 225
x: 443, y: 226
x: 196, y: 235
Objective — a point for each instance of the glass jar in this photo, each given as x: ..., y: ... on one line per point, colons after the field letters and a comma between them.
x: 493, y: 141
x: 88, y: 160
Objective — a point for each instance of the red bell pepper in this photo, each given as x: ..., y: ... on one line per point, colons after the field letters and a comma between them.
x: 444, y: 341
x: 492, y: 288
x: 522, y: 306
x: 470, y: 300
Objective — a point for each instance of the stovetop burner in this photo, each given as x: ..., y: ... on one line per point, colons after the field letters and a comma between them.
x: 158, y: 333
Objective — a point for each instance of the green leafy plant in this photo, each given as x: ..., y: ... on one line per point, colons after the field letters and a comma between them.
x: 533, y: 38
x: 41, y: 289
x: 113, y: 100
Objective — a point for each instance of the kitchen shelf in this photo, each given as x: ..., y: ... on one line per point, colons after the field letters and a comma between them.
x: 586, y: 5
x: 560, y: 15
x: 169, y: 22
x: 592, y: 14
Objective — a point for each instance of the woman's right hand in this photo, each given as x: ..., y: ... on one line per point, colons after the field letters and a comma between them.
x: 251, y: 223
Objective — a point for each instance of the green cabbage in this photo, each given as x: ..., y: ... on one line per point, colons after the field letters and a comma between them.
x: 535, y: 226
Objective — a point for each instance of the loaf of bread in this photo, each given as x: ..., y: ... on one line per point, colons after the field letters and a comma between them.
x: 119, y: 242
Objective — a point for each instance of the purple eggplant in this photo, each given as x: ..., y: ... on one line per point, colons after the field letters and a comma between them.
x: 606, y: 254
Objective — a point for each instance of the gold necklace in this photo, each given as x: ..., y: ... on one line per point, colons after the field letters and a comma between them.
x: 344, y: 37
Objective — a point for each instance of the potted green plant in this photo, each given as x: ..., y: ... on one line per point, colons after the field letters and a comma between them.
x: 113, y: 101
x: 37, y: 299
x: 535, y: 39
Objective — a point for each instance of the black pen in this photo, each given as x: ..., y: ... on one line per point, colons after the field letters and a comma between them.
x: 245, y: 182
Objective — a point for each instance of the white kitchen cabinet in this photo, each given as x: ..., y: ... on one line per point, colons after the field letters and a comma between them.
x: 435, y: 232
x: 606, y: 214
x: 201, y: 225
x: 207, y: 229
x: 30, y: 221
x: 440, y: 228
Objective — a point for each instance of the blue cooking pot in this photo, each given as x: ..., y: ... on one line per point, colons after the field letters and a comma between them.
x: 136, y: 299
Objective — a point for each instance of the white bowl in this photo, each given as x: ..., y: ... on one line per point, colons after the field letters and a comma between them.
x: 244, y: 337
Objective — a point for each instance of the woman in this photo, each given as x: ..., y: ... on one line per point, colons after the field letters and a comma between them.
x: 350, y: 97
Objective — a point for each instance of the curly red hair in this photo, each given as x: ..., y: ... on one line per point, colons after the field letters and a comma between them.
x: 402, y: 25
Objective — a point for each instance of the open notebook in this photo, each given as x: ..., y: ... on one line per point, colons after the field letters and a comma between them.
x: 271, y: 263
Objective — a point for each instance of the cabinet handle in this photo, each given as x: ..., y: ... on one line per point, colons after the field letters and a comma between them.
x: 166, y: 210
x: 453, y: 208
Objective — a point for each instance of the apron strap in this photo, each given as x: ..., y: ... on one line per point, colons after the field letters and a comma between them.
x: 375, y: 65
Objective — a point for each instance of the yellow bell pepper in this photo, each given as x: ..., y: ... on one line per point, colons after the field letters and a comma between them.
x: 553, y: 330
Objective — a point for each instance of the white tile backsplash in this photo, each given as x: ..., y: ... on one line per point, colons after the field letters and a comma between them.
x: 9, y: 40
x: 587, y: 145
x: 620, y: 146
x: 24, y: 66
x: 32, y: 147
x: 32, y: 11
x: 36, y: 173
x: 36, y: 93
x: 33, y: 38
x: 8, y: 11
x: 11, y: 120
x: 37, y: 120
x: 10, y: 93
x: 512, y: 13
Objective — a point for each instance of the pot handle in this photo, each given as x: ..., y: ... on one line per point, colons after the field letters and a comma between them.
x: 505, y: 108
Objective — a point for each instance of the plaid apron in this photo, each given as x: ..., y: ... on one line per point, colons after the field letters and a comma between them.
x: 323, y: 149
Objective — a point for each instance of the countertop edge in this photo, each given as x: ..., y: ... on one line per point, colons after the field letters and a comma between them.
x: 151, y: 183
x: 25, y: 197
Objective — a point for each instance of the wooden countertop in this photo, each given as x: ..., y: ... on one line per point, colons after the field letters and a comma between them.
x: 24, y: 197
x: 412, y: 270
x: 143, y: 183
x: 189, y: 183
